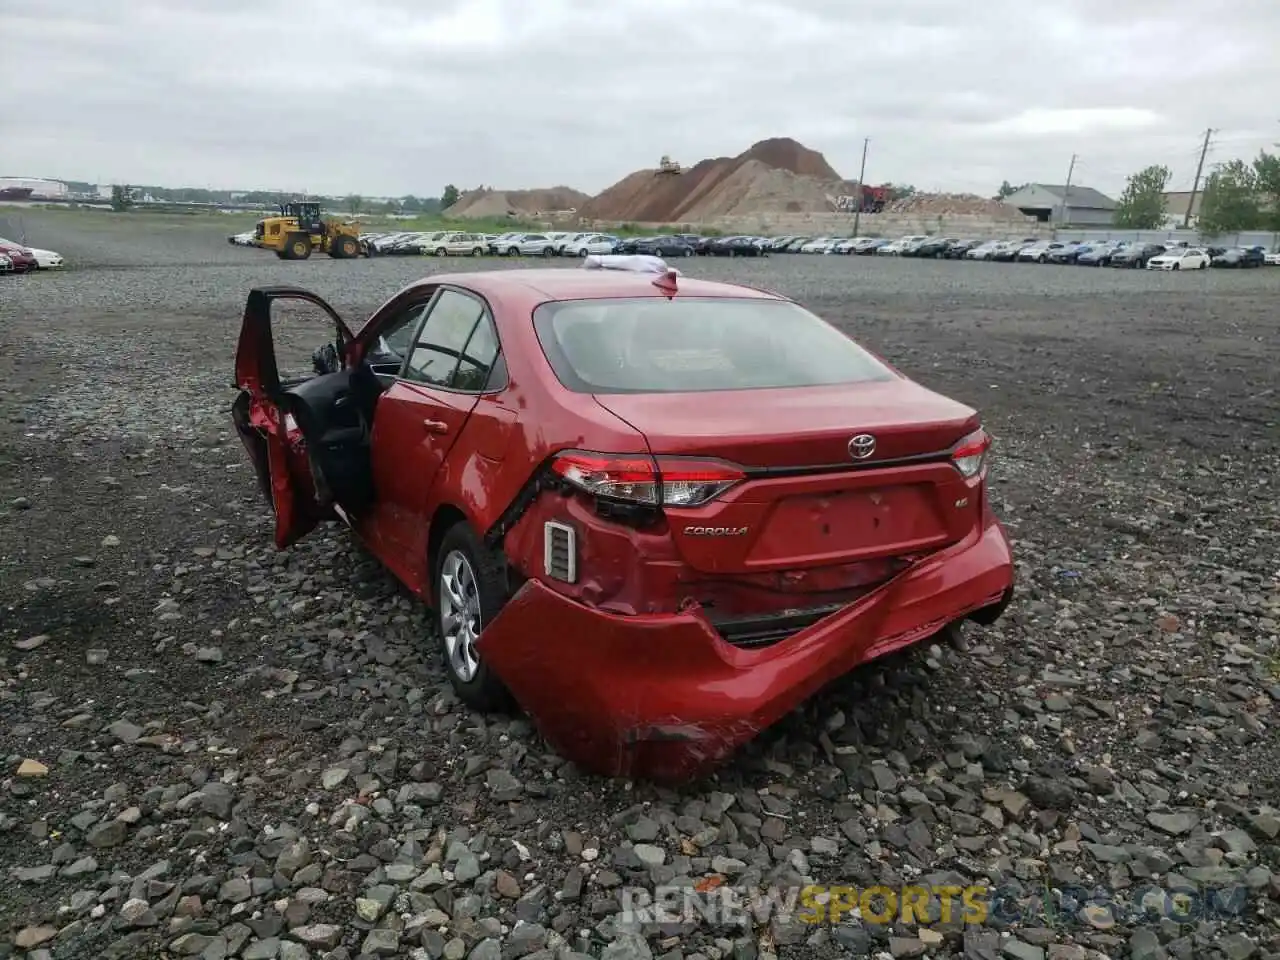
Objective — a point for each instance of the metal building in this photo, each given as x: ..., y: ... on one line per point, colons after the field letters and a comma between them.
x: 1048, y: 203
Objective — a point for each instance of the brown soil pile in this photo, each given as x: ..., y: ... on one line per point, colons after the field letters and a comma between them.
x: 486, y: 203
x: 951, y: 204
x: 774, y: 176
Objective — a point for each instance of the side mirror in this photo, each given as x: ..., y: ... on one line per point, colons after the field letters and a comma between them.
x: 326, y: 359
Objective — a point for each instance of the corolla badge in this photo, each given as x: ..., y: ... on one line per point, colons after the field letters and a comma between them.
x: 862, y: 446
x: 715, y: 531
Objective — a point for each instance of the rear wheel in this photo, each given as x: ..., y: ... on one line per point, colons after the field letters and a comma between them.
x: 469, y: 594
x: 441, y: 252
x: 688, y: 251
x: 548, y: 252
x: 512, y: 251
x: 477, y: 252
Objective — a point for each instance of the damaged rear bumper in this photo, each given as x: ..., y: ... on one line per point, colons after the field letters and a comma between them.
x: 665, y: 697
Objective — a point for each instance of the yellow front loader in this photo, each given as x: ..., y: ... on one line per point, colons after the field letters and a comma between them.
x: 299, y: 230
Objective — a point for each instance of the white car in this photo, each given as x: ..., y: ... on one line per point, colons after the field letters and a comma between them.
x: 528, y: 245
x: 460, y: 245
x: 1272, y: 259
x: 1038, y: 252
x: 1180, y: 258
x: 817, y: 245
x: 590, y: 245
x: 46, y: 259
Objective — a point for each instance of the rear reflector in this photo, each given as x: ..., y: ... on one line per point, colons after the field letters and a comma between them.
x: 971, y: 454
x: 637, y: 478
x: 560, y: 552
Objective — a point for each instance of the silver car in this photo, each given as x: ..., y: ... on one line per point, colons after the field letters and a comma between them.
x: 461, y: 245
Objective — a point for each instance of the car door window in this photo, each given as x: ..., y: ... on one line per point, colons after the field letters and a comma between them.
x: 395, y: 340
x: 444, y: 337
x: 477, y: 358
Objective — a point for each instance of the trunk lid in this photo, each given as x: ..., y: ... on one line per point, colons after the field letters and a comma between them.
x: 796, y: 428
x: 806, y: 502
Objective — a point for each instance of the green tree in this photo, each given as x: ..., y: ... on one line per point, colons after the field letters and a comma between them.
x: 1266, y: 170
x: 355, y: 203
x: 410, y: 204
x: 1007, y: 189
x: 449, y: 197
x: 1142, y: 204
x: 900, y: 191
x: 121, y: 197
x: 1230, y: 201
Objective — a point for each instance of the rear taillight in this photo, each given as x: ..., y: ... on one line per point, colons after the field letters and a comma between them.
x: 651, y: 481
x: 971, y: 454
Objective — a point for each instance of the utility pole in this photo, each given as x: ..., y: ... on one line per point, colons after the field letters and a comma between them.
x: 862, y: 174
x: 1066, y: 191
x: 1195, y: 184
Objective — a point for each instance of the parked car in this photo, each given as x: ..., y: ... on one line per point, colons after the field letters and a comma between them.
x: 1042, y: 252
x: 1180, y: 258
x: 935, y: 247
x: 1009, y: 252
x: 1136, y: 255
x: 589, y: 244
x: 527, y: 245
x: 737, y: 247
x: 957, y: 249
x: 1069, y: 253
x: 576, y: 551
x: 246, y: 239
x: 1272, y: 259
x: 663, y: 247
x: 984, y: 250
x: 870, y: 246
x: 460, y: 245
x: 498, y: 245
x: 821, y: 245
x: 1099, y: 255
x: 46, y: 259
x: 20, y: 257
x: 1240, y: 257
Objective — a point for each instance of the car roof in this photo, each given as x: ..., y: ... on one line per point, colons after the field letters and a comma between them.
x: 581, y: 284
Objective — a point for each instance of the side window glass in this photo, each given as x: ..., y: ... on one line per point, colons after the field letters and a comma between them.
x: 396, y: 339
x: 477, y: 358
x: 444, y: 336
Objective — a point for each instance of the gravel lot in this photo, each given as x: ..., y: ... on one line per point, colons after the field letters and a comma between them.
x: 214, y: 749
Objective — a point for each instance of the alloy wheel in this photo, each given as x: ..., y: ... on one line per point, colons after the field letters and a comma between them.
x: 460, y: 622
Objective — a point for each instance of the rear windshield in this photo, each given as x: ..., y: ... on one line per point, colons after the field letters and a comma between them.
x: 651, y: 345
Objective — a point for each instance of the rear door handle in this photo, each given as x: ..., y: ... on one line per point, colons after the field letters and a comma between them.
x: 435, y: 426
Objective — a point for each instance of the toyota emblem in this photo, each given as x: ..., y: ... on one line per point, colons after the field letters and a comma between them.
x: 862, y: 446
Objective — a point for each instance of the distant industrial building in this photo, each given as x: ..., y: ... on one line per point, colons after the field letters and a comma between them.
x: 32, y: 188
x: 1077, y: 206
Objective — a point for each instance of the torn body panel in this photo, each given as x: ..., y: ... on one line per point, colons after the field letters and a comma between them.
x: 663, y: 695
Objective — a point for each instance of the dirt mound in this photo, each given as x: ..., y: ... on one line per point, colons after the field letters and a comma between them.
x: 783, y: 153
x: 773, y: 176
x: 485, y: 202
x: 951, y: 204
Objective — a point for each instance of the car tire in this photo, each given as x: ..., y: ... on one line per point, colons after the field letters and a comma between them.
x: 583, y: 252
x: 512, y: 251
x: 469, y: 592
x: 441, y: 252
x: 477, y: 252
x: 1177, y: 266
x: 548, y: 252
x: 688, y: 251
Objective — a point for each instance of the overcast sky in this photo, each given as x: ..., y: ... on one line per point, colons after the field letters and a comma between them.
x: 403, y: 96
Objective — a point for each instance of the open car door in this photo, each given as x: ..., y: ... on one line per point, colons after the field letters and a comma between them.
x: 308, y: 435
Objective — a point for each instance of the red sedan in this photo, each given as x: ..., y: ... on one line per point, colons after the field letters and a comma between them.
x: 24, y: 261
x: 655, y: 512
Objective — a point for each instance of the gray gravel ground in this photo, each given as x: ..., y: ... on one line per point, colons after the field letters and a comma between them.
x: 214, y: 749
